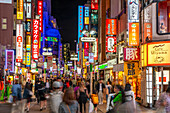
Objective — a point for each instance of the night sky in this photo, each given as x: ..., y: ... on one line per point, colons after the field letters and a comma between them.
x: 66, y: 14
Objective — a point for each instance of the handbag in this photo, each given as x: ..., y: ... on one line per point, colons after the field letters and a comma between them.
x: 68, y: 109
x: 30, y: 93
x: 91, y: 107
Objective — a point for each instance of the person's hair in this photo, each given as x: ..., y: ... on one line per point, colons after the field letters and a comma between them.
x: 68, y: 96
x: 16, y: 81
x: 122, y: 92
x: 168, y: 90
x: 128, y: 87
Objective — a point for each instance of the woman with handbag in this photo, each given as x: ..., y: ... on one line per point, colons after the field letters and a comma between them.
x: 69, y: 104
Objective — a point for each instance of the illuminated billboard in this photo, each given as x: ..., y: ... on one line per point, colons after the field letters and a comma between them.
x: 110, y: 44
x: 131, y: 54
x: 80, y: 22
x: 9, y: 60
x: 28, y: 12
x: 35, y: 41
x: 19, y: 43
x: 94, y: 4
x: 133, y: 10
x: 20, y: 7
x: 40, y: 13
x: 133, y: 34
x: 111, y: 25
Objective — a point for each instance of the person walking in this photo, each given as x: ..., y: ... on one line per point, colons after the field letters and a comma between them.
x: 100, y: 87
x: 82, y: 96
x: 108, y: 89
x: 16, y: 91
x: 69, y: 104
x: 27, y: 95
x: 42, y: 94
x: 1, y: 86
x: 56, y: 97
x: 47, y: 86
x: 163, y: 103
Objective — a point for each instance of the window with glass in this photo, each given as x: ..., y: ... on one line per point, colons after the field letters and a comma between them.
x: 163, y: 17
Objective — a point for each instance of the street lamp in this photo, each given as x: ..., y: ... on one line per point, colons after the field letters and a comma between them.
x: 89, y: 33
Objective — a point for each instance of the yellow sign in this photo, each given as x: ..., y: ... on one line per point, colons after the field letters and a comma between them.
x: 131, y: 68
x: 144, y: 55
x: 159, y: 53
x: 20, y: 7
x: 86, y: 20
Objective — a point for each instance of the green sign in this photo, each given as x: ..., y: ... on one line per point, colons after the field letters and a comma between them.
x: 103, y: 66
x: 52, y: 39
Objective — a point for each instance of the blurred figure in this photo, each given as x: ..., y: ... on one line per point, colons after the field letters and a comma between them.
x: 27, y: 95
x: 130, y: 105
x: 42, y: 94
x: 88, y: 85
x: 31, y: 85
x: 164, y: 100
x: 16, y: 91
x: 76, y: 89
x: 83, y: 95
x: 69, y: 104
x: 100, y: 87
x: 1, y: 86
x: 47, y: 86
x: 108, y: 89
x: 37, y: 86
x: 56, y: 97
x: 95, y: 100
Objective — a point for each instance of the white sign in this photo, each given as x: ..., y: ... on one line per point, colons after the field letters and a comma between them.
x: 6, y: 1
x: 133, y: 10
x: 88, y: 39
x: 148, y: 13
x: 19, y: 43
x: 91, y: 57
x: 121, y: 54
x: 165, y: 77
x: 112, y: 62
x: 28, y: 14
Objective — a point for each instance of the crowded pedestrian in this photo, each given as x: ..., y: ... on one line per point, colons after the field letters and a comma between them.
x: 108, y: 89
x: 100, y: 87
x: 42, y: 94
x: 69, y: 104
x: 47, y: 86
x: 16, y: 91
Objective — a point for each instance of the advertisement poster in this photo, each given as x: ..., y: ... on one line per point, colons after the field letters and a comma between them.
x: 20, y: 7
x: 110, y: 44
x: 9, y: 60
x: 158, y: 53
x: 91, y: 57
x: 19, y: 43
x: 133, y: 34
x: 28, y: 12
x: 86, y: 53
x: 94, y: 4
x: 40, y: 12
x: 131, y: 54
x: 80, y: 22
x: 133, y: 10
x: 35, y: 41
x: 111, y: 25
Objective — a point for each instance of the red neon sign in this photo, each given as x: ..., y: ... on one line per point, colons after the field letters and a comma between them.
x: 40, y: 13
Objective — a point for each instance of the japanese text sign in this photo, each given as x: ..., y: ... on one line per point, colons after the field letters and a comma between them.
x: 133, y: 10
x: 131, y: 54
x: 94, y: 4
x: 133, y: 34
x: 147, y: 31
x: 20, y: 7
x: 80, y: 22
x: 110, y: 42
x: 9, y: 60
x: 40, y: 13
x: 19, y: 43
x: 111, y: 25
x: 35, y: 42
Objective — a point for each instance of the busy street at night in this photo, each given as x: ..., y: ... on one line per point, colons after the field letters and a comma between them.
x: 84, y: 56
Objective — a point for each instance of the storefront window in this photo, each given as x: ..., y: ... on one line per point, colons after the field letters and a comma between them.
x: 164, y: 17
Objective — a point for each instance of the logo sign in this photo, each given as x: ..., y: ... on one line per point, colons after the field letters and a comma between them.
x: 133, y: 34
x: 6, y: 1
x: 112, y: 62
x: 19, y: 43
x: 132, y: 54
x: 86, y: 45
x: 87, y: 63
x: 111, y: 25
x: 91, y: 57
x: 20, y: 7
x: 47, y: 51
x: 35, y: 45
x: 80, y: 22
x: 86, y: 15
x: 133, y: 10
x: 147, y: 31
x: 28, y: 12
x: 45, y: 65
x: 95, y: 49
x: 9, y: 60
x: 28, y: 26
x: 110, y: 42
x: 40, y: 13
x: 94, y: 4
x: 158, y: 53
x: 28, y: 59
x: 88, y: 39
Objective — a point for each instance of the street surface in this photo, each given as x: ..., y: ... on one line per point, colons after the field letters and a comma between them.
x: 35, y: 108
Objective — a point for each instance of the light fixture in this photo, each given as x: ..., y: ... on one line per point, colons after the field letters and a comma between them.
x: 92, y: 31
x: 84, y: 31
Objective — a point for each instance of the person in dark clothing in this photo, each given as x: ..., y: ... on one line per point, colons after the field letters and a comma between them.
x: 100, y: 87
x: 42, y: 94
x: 88, y: 86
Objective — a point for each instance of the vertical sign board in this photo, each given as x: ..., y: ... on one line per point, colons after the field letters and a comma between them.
x: 96, y: 49
x: 86, y: 16
x: 133, y: 34
x: 91, y: 57
x: 20, y: 7
x: 94, y: 4
x: 35, y: 42
x: 28, y: 11
x: 28, y: 59
x: 9, y: 60
x: 111, y: 25
x: 19, y: 43
x: 28, y: 26
x: 80, y: 22
x: 147, y: 31
x: 86, y: 53
x: 40, y: 13
x: 86, y: 45
x: 110, y: 44
x: 133, y: 10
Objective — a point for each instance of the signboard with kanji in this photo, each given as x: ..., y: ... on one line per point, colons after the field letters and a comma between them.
x: 19, y: 43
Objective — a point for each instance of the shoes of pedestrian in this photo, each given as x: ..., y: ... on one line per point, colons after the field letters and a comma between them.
x: 28, y: 110
x: 44, y: 107
x: 41, y: 109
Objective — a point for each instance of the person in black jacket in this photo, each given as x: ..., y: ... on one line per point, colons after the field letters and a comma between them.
x: 100, y: 87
